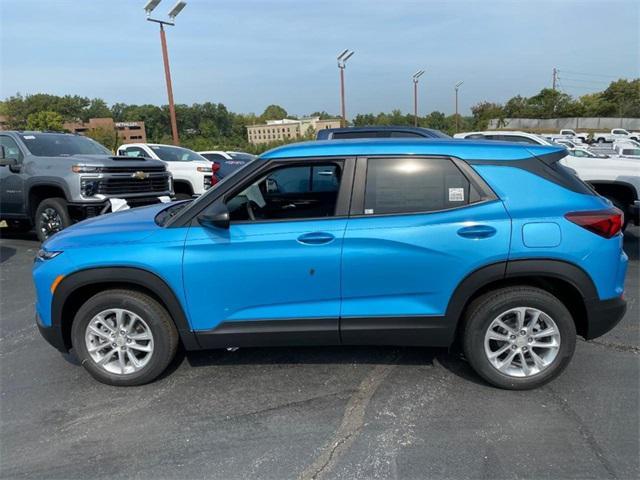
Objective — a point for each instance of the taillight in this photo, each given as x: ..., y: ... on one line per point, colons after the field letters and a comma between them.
x: 605, y: 223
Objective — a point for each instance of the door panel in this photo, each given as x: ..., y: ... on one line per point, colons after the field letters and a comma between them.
x: 263, y: 270
x: 406, y: 265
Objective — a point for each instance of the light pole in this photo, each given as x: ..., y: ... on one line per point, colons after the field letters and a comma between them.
x: 173, y: 13
x: 457, y: 86
x: 342, y: 62
x: 415, y: 78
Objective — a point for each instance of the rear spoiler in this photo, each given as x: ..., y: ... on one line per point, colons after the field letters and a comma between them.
x: 551, y: 157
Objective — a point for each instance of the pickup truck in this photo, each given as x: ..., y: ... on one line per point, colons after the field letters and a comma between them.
x: 192, y: 173
x: 615, y: 134
x: 569, y: 133
x: 51, y: 180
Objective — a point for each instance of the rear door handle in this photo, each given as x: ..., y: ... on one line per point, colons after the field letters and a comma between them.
x: 477, y: 231
x: 316, y: 238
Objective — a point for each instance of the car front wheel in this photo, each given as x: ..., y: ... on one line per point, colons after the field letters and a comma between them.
x: 52, y: 215
x: 124, y: 337
x: 518, y: 338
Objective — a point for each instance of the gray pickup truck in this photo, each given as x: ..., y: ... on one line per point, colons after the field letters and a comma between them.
x: 51, y: 180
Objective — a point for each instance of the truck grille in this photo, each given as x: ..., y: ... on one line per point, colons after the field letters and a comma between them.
x: 127, y: 185
x: 126, y: 169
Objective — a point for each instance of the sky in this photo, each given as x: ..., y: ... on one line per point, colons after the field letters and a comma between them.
x: 248, y: 54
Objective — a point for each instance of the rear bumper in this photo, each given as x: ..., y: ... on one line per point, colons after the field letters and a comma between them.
x: 603, y: 315
x: 53, y: 335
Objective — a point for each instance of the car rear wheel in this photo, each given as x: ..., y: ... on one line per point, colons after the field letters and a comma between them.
x: 52, y: 216
x: 518, y: 338
x: 124, y: 338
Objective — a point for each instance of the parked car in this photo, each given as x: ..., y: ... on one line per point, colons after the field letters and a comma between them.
x: 226, y: 162
x: 565, y: 142
x: 615, y: 134
x: 192, y: 174
x: 617, y: 179
x: 584, y: 152
x: 386, y: 242
x: 569, y: 133
x: 628, y: 151
x: 51, y: 180
x: 378, y: 132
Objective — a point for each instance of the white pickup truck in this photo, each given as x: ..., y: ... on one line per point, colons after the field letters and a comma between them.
x: 569, y: 133
x: 615, y: 178
x: 615, y: 134
x: 192, y: 173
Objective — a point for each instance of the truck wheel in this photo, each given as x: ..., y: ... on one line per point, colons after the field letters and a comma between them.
x: 600, y: 140
x: 52, y: 215
x: 124, y: 337
x: 518, y: 338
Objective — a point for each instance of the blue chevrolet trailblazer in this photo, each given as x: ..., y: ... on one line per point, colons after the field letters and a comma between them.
x: 425, y: 242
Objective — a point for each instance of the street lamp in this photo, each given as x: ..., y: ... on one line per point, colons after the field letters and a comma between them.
x: 173, y: 13
x: 457, y: 86
x: 415, y: 78
x: 342, y: 62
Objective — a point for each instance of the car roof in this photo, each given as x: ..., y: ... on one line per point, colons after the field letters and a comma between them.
x: 460, y: 148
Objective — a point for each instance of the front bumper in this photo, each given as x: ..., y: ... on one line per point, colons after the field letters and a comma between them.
x: 603, y: 315
x: 53, y: 335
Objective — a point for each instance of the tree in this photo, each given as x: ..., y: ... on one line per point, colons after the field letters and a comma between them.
x: 45, y: 120
x: 97, y: 109
x: 485, y: 111
x: 105, y: 136
x: 273, y: 112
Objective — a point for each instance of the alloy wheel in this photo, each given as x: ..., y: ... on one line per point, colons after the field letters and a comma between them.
x: 522, y: 342
x: 50, y: 222
x: 119, y: 341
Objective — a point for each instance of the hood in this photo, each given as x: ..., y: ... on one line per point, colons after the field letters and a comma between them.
x: 116, y: 161
x: 124, y: 227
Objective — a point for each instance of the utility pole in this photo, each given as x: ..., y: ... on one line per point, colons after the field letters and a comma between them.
x: 456, y: 87
x: 555, y: 77
x: 342, y: 63
x: 177, y: 8
x: 415, y: 78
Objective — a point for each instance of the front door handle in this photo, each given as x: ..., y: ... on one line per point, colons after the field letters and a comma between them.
x: 316, y: 238
x: 477, y: 231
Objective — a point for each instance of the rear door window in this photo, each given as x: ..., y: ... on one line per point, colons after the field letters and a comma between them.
x: 412, y: 185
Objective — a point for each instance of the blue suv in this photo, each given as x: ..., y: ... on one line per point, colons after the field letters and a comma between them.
x: 492, y: 246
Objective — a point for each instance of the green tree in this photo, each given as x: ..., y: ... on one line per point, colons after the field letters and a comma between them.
x: 97, y: 108
x: 105, y: 136
x: 485, y: 111
x: 45, y: 120
x: 273, y: 112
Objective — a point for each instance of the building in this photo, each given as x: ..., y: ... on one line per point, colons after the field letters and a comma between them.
x: 128, y: 132
x: 287, y: 128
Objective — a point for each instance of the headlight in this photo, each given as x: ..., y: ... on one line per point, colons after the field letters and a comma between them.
x: 46, y: 254
x: 85, y: 169
x: 204, y: 169
x: 89, y: 187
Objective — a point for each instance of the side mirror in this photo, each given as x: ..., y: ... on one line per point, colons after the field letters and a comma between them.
x: 8, y: 162
x: 217, y: 217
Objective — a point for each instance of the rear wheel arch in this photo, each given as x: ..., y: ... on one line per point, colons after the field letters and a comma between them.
x: 566, y: 281
x: 74, y: 290
x: 183, y: 186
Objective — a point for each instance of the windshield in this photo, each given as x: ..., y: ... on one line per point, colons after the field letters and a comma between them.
x: 61, y: 145
x: 224, y: 181
x: 176, y: 154
x: 247, y: 157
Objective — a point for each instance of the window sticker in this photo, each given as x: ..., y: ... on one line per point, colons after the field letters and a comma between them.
x: 28, y: 137
x: 456, y: 194
x: 368, y: 211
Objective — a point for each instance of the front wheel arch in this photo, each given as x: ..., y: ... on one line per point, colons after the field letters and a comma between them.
x: 75, y: 289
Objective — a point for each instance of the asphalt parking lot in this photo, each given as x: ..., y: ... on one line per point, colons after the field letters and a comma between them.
x: 312, y: 412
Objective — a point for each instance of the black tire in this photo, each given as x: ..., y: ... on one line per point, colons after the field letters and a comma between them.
x: 165, y: 335
x: 481, y: 313
x: 44, y: 228
x: 600, y: 140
